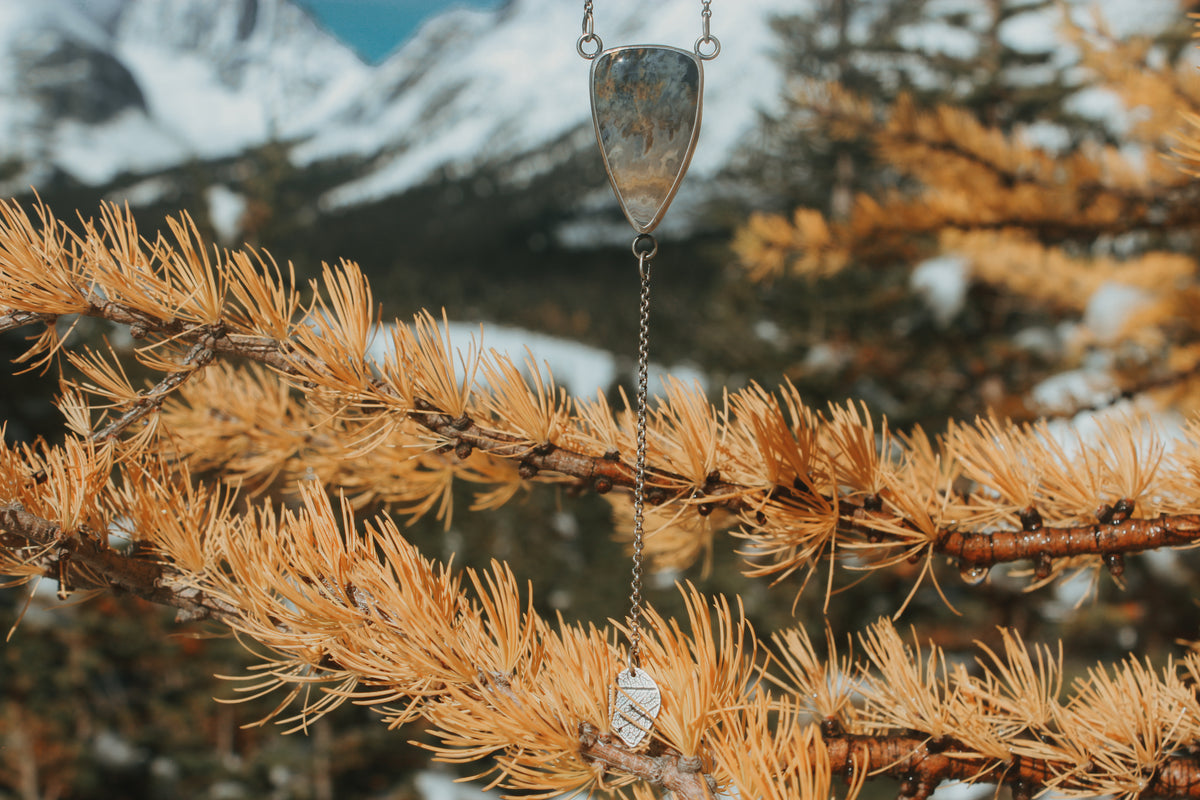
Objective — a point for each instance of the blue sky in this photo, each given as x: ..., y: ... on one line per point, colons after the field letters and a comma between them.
x: 375, y: 27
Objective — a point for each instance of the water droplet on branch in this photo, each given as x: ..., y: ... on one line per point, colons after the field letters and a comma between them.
x: 973, y: 574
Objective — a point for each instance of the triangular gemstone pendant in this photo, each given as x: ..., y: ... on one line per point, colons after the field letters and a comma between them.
x: 646, y: 108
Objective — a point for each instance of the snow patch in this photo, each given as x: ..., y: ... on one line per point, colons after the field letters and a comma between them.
x: 826, y: 358
x: 937, y: 37
x: 586, y: 233
x: 579, y: 368
x: 1102, y: 105
x: 440, y: 786
x: 1110, y: 307
x: 958, y: 790
x: 226, y: 209
x: 1125, y: 18
x: 1047, y: 136
x: 770, y: 332
x: 1033, y: 31
x: 115, y: 751
x: 1040, y: 340
x: 129, y: 142
x: 1078, y: 388
x: 120, y: 534
x: 144, y: 193
x: 207, y: 119
x: 942, y: 283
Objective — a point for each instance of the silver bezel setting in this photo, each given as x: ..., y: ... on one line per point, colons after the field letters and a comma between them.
x: 691, y: 148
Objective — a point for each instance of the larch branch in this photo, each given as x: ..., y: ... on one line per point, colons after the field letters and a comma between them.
x: 922, y: 762
x: 17, y: 319
x: 681, y: 776
x: 1107, y: 539
x: 84, y: 560
x: 1110, y: 539
x: 196, y: 358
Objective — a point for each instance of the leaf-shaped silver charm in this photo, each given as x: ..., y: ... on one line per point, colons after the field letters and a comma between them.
x: 635, y: 701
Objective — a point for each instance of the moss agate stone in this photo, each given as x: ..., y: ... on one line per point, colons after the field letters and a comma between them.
x: 646, y: 107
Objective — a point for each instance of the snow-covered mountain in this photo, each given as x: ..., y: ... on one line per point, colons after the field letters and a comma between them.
x: 506, y: 89
x: 96, y: 87
x: 508, y: 86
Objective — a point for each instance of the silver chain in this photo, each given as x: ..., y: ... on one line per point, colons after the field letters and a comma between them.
x: 707, y: 40
x: 588, y: 37
x: 645, y: 248
x: 644, y: 253
x: 708, y: 46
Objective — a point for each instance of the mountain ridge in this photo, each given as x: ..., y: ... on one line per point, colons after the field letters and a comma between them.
x: 490, y: 100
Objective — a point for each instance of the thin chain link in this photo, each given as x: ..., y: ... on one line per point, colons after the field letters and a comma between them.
x: 589, y: 44
x: 708, y: 46
x: 705, y: 17
x: 639, y: 469
x: 589, y: 37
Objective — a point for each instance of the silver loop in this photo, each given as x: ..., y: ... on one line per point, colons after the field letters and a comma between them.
x: 644, y: 246
x: 714, y: 41
x: 587, y: 38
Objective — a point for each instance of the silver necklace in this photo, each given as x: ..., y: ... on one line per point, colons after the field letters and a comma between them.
x: 646, y: 108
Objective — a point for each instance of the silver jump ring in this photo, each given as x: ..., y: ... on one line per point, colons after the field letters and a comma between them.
x: 645, y: 246
x: 586, y: 39
x: 716, y: 44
